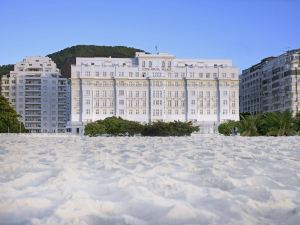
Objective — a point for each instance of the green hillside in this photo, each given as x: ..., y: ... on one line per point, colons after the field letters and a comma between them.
x: 67, y: 56
x: 5, y: 69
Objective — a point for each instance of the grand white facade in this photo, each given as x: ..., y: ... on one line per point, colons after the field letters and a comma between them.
x: 272, y: 85
x: 39, y: 94
x: 153, y: 87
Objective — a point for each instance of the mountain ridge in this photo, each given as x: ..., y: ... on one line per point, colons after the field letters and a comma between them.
x: 67, y: 56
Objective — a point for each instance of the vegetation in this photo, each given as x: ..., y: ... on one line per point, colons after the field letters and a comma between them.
x: 9, y: 118
x: 247, y: 126
x: 175, y: 128
x: 116, y: 126
x: 67, y: 56
x: 5, y: 69
x: 227, y: 128
x: 267, y: 124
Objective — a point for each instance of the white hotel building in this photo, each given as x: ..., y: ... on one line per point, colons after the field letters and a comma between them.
x: 40, y: 95
x: 152, y: 87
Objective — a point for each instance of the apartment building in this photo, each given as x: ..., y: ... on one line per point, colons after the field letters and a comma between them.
x: 271, y: 85
x: 152, y: 87
x: 39, y: 93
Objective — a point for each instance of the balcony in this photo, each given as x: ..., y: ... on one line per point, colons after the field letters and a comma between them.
x: 36, y: 96
x: 32, y: 120
x: 32, y: 108
x: 32, y: 89
x: 33, y: 114
x: 33, y: 101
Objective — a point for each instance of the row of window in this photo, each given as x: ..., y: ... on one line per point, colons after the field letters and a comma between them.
x: 159, y: 112
x: 159, y: 94
x: 159, y: 74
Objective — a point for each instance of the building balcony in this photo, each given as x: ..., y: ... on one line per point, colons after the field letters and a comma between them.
x: 32, y: 121
x: 32, y: 108
x: 32, y: 101
x: 33, y: 114
x: 32, y: 89
x: 33, y: 84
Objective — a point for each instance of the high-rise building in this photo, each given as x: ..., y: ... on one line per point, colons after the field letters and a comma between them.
x: 271, y: 85
x: 152, y: 87
x: 39, y: 93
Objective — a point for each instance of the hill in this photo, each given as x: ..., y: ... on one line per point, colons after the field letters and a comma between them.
x: 67, y: 56
x: 5, y: 69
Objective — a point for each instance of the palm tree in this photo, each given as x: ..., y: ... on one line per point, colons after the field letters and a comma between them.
x: 248, y: 126
x: 280, y: 123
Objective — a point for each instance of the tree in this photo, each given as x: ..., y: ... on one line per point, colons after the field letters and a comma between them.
x: 279, y: 123
x: 9, y: 119
x: 297, y: 123
x: 247, y: 126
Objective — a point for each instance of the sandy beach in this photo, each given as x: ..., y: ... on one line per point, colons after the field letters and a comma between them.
x: 143, y: 180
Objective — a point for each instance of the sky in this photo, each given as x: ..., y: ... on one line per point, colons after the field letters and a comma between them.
x: 245, y: 31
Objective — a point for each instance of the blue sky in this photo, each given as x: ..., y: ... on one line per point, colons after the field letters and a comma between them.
x: 241, y: 30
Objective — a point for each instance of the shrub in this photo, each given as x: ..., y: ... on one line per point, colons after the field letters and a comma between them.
x: 94, y: 129
x: 119, y: 127
x: 175, y: 128
x: 227, y: 128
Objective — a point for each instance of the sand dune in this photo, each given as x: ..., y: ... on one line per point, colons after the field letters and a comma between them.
x: 144, y: 180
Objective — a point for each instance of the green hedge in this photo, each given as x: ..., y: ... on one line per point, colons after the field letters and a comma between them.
x: 227, y: 128
x: 119, y: 127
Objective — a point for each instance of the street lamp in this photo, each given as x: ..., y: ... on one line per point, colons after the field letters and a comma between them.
x: 186, y: 93
x: 296, y: 71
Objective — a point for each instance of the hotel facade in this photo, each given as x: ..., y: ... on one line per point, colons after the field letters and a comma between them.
x: 40, y: 95
x: 271, y: 85
x: 152, y: 87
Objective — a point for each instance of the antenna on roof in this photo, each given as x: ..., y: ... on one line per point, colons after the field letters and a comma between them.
x: 287, y: 49
x: 156, y: 49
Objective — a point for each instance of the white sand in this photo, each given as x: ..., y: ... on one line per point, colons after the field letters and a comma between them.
x: 169, y: 181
